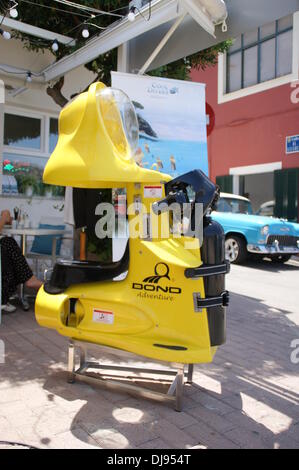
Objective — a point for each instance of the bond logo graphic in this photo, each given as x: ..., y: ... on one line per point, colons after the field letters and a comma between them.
x: 150, y: 283
x: 161, y: 271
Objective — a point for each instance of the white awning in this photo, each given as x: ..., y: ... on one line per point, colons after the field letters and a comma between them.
x: 189, y: 38
x: 204, y: 13
x: 35, y: 31
x: 176, y: 29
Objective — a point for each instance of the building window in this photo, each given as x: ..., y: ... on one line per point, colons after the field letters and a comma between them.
x: 22, y: 174
x: 22, y: 132
x: 28, y: 142
x: 261, y: 55
x: 53, y: 137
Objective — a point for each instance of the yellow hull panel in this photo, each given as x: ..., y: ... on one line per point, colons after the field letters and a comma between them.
x: 153, y: 320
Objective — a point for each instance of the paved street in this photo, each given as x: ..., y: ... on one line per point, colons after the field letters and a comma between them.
x: 247, y: 398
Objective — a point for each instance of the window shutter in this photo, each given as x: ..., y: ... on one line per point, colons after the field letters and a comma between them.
x: 225, y: 183
x: 286, y: 187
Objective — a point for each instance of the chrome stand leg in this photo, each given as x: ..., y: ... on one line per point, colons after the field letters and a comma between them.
x: 23, y: 300
x: 179, y: 389
x: 83, y: 363
x: 71, y: 363
x: 190, y: 374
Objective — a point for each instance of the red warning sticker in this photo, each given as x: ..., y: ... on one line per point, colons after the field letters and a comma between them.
x: 102, y: 316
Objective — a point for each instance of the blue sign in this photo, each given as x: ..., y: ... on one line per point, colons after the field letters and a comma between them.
x: 292, y: 144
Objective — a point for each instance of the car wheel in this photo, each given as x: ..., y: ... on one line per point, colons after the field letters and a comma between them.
x: 235, y: 249
x: 280, y: 258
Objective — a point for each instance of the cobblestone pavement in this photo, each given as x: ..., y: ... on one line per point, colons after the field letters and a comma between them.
x: 247, y: 398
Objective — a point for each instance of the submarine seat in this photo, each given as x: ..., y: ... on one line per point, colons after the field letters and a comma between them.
x: 67, y: 273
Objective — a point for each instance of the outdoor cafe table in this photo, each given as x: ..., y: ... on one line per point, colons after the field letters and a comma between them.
x: 23, y: 233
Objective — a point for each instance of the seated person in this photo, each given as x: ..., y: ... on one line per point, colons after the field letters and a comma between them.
x: 15, y: 269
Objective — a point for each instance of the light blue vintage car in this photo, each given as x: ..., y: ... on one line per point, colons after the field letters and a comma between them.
x: 247, y: 233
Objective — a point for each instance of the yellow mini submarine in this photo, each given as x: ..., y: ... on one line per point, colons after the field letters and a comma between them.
x: 171, y: 304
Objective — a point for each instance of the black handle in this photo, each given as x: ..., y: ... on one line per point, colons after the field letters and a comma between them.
x: 207, y: 270
x: 208, y: 302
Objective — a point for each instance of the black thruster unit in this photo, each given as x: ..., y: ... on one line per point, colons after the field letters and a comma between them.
x: 214, y: 267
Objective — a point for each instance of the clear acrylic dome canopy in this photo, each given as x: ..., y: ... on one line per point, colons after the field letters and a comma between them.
x: 120, y: 120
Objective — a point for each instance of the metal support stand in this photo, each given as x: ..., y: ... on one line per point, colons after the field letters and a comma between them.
x: 175, y: 391
x: 190, y: 374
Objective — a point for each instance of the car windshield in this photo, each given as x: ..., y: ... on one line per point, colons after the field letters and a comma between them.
x: 237, y: 206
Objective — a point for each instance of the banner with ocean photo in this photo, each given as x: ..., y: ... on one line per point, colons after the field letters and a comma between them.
x: 172, y: 122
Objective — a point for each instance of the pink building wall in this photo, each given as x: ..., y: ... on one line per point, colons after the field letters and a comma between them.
x: 250, y: 130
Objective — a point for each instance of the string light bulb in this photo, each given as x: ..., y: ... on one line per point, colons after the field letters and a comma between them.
x: 5, y: 34
x: 85, y: 33
x: 55, y: 46
x: 13, y: 13
x: 131, y: 15
x: 29, y: 77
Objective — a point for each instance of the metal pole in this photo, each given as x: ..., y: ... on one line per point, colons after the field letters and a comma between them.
x: 123, y: 57
x: 54, y: 245
x: 161, y: 44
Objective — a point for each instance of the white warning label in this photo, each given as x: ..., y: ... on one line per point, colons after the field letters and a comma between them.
x: 153, y: 192
x: 102, y: 316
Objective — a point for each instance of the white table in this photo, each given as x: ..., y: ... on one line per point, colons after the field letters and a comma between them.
x: 23, y: 233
